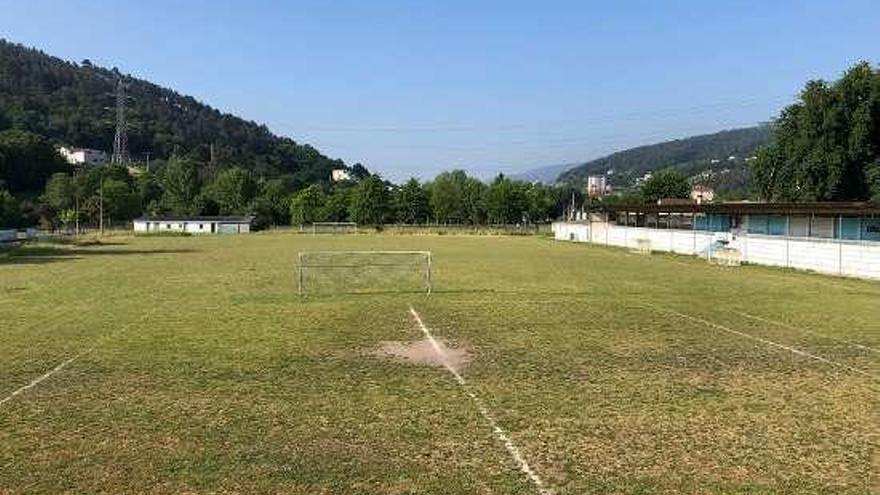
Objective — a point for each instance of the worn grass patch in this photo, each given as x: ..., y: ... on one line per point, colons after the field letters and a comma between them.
x: 209, y: 375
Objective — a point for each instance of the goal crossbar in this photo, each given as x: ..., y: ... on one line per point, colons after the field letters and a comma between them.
x: 323, y: 260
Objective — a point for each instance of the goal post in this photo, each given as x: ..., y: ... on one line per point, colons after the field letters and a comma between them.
x: 334, y: 228
x: 363, y: 272
x: 643, y: 246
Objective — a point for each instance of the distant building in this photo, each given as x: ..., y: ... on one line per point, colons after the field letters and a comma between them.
x: 194, y: 225
x: 339, y: 174
x: 702, y: 194
x: 641, y: 180
x: 80, y: 156
x: 597, y: 186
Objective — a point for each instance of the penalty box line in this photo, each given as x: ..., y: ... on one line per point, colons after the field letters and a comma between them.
x: 63, y: 364
x: 500, y: 434
x: 793, y: 350
x: 811, y: 332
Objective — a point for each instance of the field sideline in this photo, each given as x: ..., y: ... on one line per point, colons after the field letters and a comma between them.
x: 189, y: 365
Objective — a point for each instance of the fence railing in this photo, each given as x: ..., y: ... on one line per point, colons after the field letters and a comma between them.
x: 831, y: 256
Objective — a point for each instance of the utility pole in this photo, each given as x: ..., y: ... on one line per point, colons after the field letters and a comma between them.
x: 76, y: 202
x: 120, y: 140
x: 101, y: 205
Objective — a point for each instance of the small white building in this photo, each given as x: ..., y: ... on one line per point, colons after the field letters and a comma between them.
x: 702, y: 194
x: 194, y: 225
x: 79, y: 156
x: 339, y: 175
x: 597, y: 186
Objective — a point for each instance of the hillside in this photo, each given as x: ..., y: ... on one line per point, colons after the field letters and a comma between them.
x: 708, y: 156
x: 72, y: 104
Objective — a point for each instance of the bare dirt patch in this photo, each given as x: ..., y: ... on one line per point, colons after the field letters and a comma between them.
x: 421, y: 352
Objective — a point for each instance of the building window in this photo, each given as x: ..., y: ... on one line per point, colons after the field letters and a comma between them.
x: 201, y: 226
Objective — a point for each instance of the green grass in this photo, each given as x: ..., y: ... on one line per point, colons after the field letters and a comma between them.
x: 205, y: 373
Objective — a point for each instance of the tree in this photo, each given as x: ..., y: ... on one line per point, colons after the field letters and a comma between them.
x: 369, y: 202
x: 120, y: 202
x: 231, y: 190
x: 272, y: 204
x: 336, y: 206
x: 149, y: 190
x: 826, y: 146
x: 446, y: 197
x: 473, y: 198
x: 359, y: 172
x: 27, y: 160
x: 305, y: 206
x: 669, y: 183
x: 411, y: 203
x: 506, y: 201
x: 181, y: 187
x: 67, y: 218
x: 60, y: 192
x: 10, y: 211
x: 541, y: 203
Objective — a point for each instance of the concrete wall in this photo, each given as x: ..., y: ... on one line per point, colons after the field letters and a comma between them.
x: 198, y: 227
x: 571, y: 231
x: 831, y: 256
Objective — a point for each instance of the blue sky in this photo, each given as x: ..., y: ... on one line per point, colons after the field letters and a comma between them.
x: 416, y: 87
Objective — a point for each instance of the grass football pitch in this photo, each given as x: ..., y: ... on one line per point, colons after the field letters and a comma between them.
x: 190, y: 365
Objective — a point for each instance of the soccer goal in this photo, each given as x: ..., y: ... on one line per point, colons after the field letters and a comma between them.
x: 643, y: 246
x: 328, y: 272
x: 725, y: 256
x: 334, y: 228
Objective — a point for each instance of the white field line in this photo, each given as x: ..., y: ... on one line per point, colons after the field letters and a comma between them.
x: 45, y: 375
x: 500, y: 434
x: 763, y: 340
x: 811, y: 332
x: 63, y: 364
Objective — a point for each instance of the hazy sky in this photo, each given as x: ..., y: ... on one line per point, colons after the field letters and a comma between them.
x: 415, y: 87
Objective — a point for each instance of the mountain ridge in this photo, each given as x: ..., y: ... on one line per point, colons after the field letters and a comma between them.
x: 716, y: 152
x: 72, y: 104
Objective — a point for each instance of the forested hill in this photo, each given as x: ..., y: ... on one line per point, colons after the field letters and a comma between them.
x: 72, y: 104
x: 698, y: 154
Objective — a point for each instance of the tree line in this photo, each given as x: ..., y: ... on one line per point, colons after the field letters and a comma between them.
x: 181, y: 187
x: 826, y: 146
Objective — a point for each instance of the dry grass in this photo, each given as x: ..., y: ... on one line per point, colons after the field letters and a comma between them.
x: 209, y: 375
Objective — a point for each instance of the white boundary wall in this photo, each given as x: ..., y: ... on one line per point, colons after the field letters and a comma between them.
x: 831, y: 256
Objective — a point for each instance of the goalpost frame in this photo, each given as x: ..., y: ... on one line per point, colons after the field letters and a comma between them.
x: 429, y: 283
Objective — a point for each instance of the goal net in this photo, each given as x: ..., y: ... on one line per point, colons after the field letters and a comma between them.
x: 721, y: 253
x: 725, y: 256
x: 328, y: 272
x: 334, y: 228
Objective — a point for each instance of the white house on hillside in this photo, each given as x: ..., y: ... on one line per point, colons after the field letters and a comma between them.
x: 79, y: 156
x: 702, y: 194
x: 597, y: 186
x: 339, y: 174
